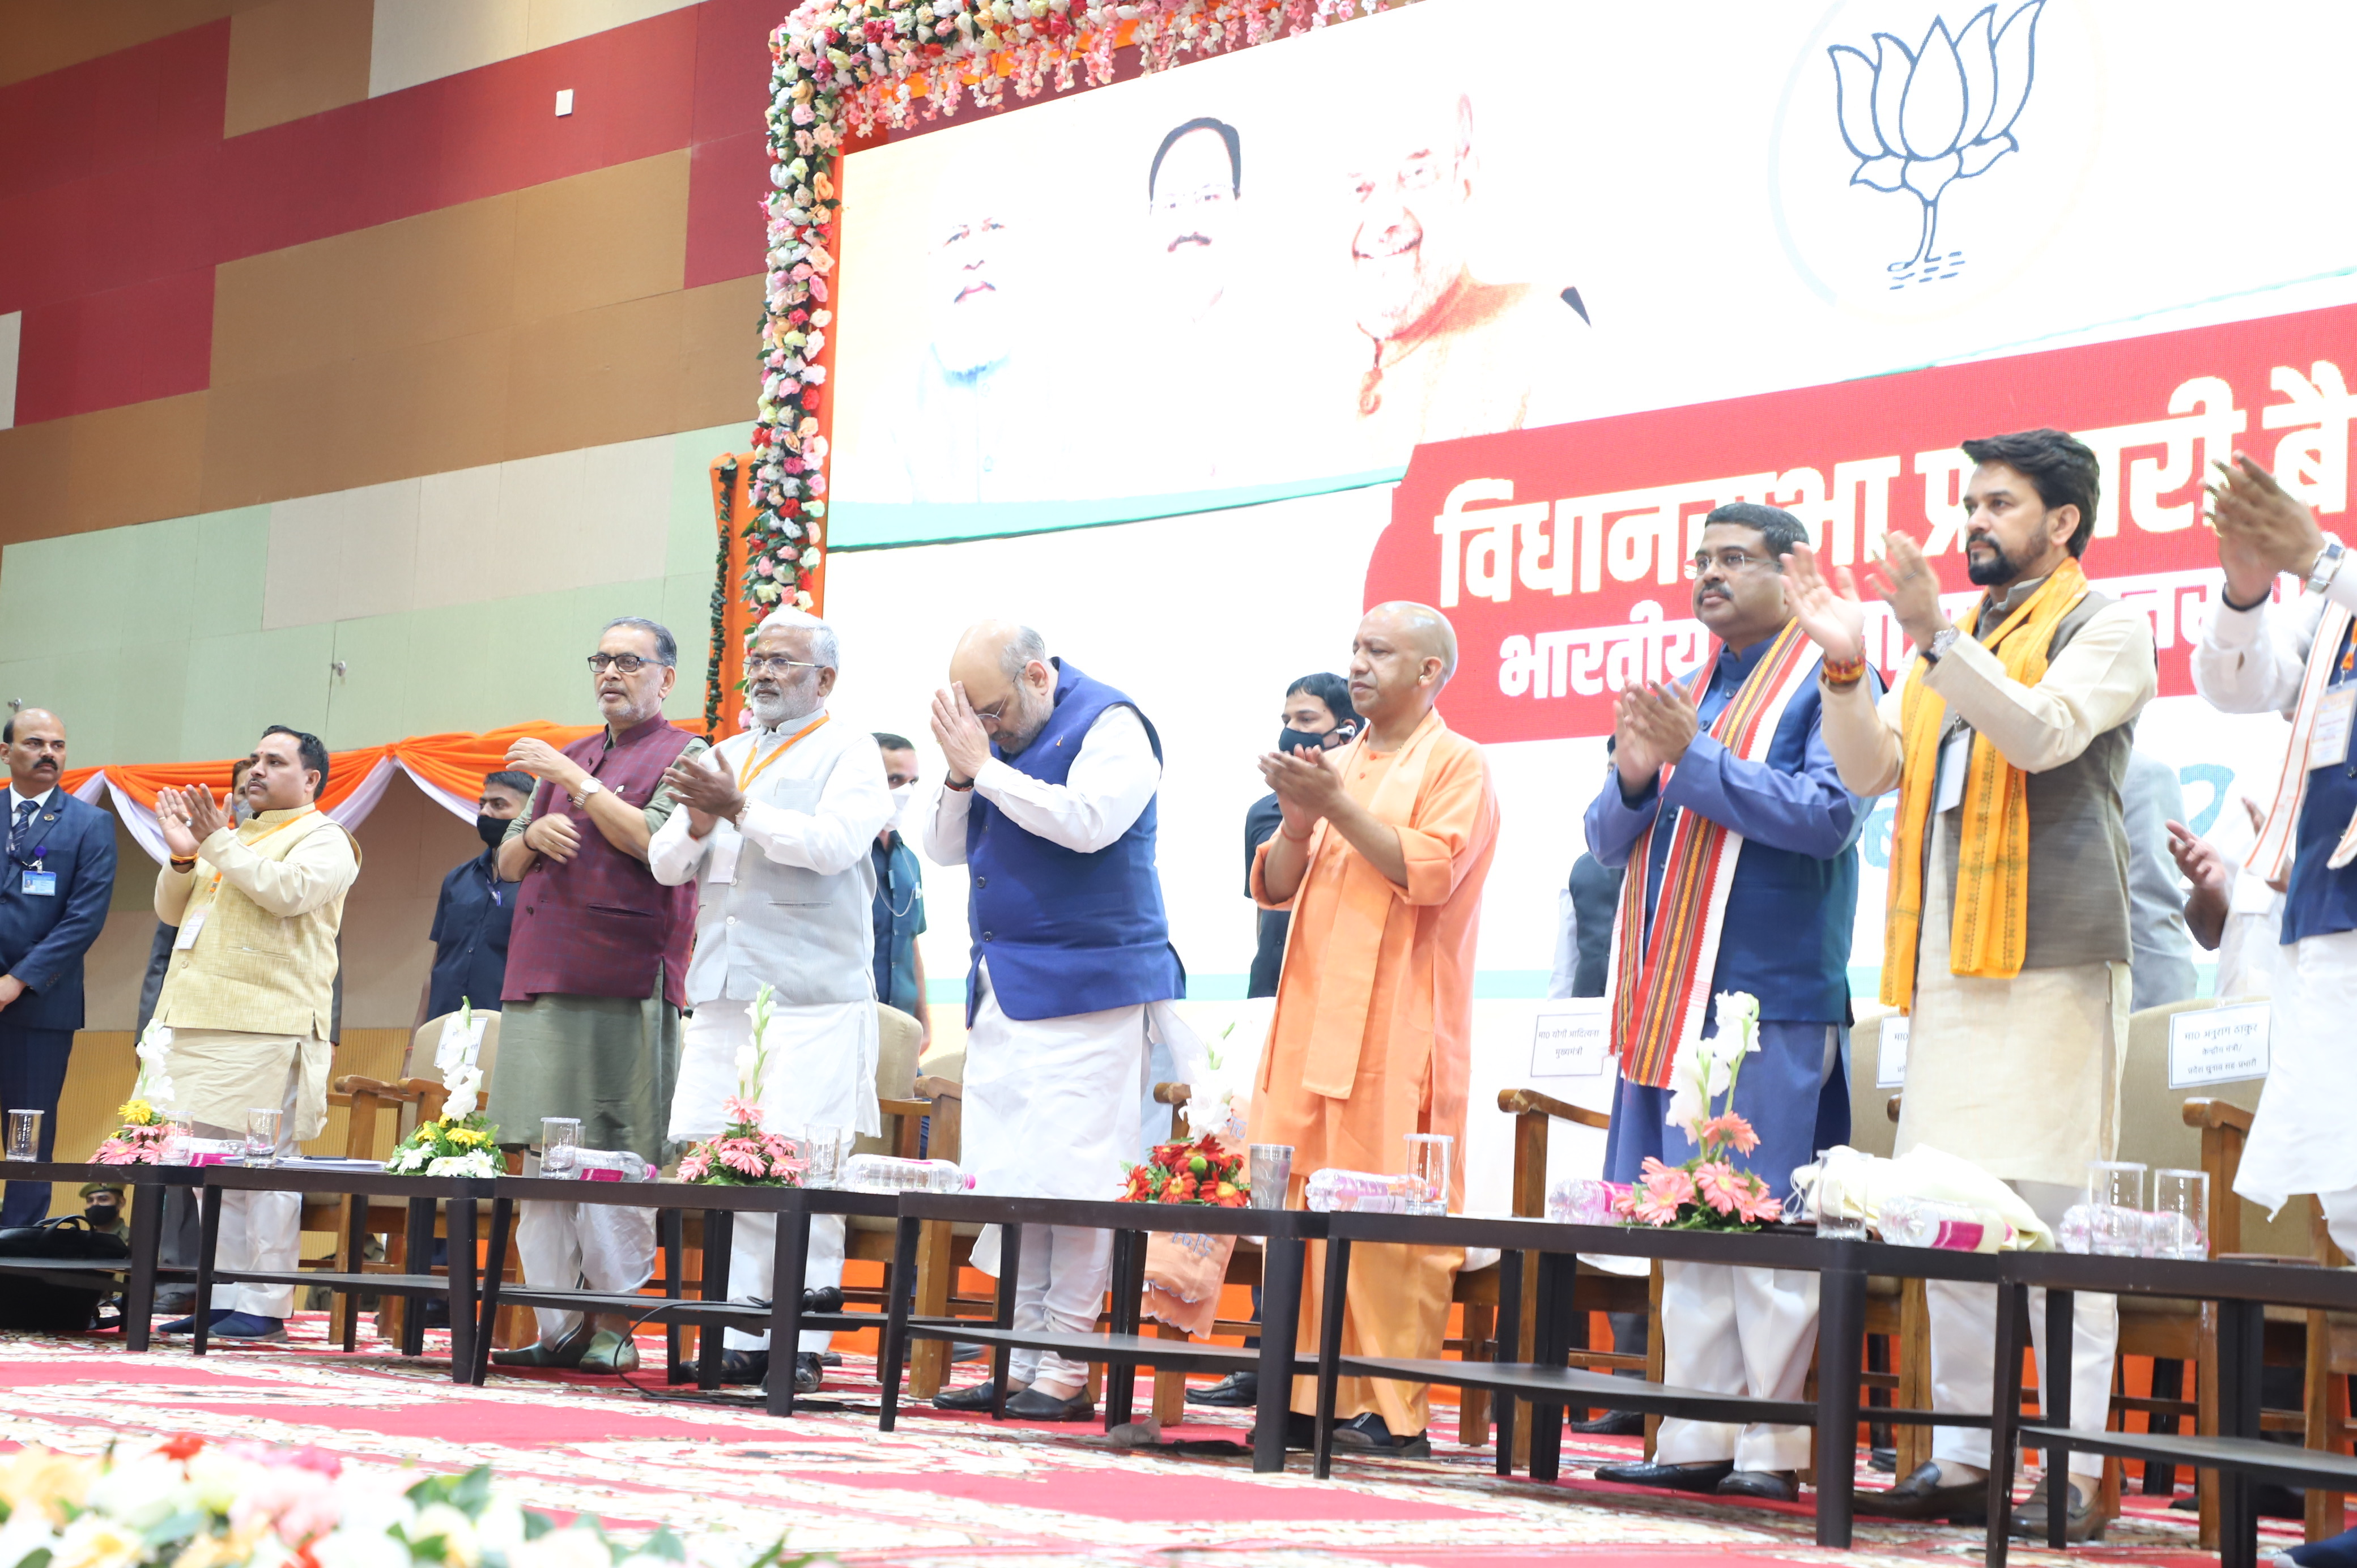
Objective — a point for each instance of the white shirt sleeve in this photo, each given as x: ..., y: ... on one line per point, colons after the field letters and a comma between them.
x: 2250, y: 662
x: 944, y: 835
x: 852, y: 809
x: 2102, y: 679
x: 1103, y: 793
x: 674, y: 854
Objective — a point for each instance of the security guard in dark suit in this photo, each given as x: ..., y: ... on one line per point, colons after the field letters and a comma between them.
x: 55, y: 885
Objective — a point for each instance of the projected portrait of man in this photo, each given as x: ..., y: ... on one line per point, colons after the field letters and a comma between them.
x: 973, y: 285
x: 1447, y: 355
x: 1194, y: 264
x: 1193, y: 188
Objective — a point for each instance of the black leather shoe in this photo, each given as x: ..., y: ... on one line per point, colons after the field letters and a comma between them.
x: 1237, y: 1391
x: 1702, y: 1479
x: 1920, y: 1495
x: 1613, y: 1423
x: 809, y: 1374
x: 1032, y: 1404
x: 1368, y: 1434
x: 974, y: 1396
x: 824, y: 1298
x: 1300, y: 1432
x: 749, y: 1367
x: 2031, y: 1521
x: 1766, y: 1485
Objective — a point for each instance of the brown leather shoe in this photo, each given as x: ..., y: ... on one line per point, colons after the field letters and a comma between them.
x: 1920, y: 1495
x: 2030, y: 1519
x: 1768, y: 1486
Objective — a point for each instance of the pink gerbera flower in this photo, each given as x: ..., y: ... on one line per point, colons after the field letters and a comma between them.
x: 742, y: 1160
x: 1672, y: 1185
x: 696, y: 1166
x: 1720, y: 1185
x: 740, y: 1112
x: 1753, y: 1204
x: 1654, y: 1210
x: 1730, y: 1130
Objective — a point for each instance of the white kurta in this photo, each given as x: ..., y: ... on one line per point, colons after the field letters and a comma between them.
x: 2252, y: 662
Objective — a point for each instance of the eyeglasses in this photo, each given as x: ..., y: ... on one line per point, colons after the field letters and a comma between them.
x: 763, y: 663
x: 627, y: 663
x: 995, y: 714
x: 1729, y: 562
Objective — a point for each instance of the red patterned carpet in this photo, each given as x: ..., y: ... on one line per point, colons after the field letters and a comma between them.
x: 944, y: 1490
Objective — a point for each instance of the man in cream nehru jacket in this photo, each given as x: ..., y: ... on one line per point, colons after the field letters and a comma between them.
x: 775, y: 831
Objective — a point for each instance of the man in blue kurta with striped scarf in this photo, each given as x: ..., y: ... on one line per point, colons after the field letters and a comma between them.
x: 1722, y: 789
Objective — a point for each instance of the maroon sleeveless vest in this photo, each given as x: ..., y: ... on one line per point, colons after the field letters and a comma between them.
x: 602, y: 925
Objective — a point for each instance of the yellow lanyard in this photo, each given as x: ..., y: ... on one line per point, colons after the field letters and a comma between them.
x: 748, y: 770
x: 264, y: 835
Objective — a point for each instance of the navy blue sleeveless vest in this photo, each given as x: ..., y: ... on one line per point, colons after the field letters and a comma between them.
x: 2324, y: 900
x: 1067, y: 932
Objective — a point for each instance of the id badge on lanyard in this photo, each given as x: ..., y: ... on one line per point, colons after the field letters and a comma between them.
x: 2328, y: 742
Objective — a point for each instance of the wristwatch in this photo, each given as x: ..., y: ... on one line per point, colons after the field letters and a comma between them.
x: 588, y: 787
x: 1942, y: 640
x: 2327, y: 562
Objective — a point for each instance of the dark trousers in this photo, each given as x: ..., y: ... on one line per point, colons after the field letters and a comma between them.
x: 32, y: 1073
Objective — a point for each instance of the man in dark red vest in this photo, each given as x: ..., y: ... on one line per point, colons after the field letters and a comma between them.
x: 595, y: 979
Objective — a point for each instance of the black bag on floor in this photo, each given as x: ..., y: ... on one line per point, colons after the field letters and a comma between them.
x: 41, y: 1307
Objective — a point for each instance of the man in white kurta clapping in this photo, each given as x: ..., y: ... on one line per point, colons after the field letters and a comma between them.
x: 775, y: 829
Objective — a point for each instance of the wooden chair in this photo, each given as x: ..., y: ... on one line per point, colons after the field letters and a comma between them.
x: 1898, y: 1317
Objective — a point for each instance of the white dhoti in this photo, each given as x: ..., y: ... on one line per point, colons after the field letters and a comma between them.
x: 2022, y: 1077
x: 570, y: 1246
x: 2299, y: 1136
x: 1736, y: 1331
x: 1053, y: 1106
x: 821, y: 1073
x: 260, y: 1232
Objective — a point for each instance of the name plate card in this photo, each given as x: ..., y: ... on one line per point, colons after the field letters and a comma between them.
x: 1891, y: 1065
x: 2220, y: 1045
x: 1571, y: 1038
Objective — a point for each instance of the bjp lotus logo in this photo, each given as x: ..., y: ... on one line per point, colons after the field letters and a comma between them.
x: 1921, y: 119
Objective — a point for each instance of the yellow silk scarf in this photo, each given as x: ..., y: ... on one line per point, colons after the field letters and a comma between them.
x: 1988, y: 935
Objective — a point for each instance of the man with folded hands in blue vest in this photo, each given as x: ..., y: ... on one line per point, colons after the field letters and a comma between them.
x: 1049, y: 803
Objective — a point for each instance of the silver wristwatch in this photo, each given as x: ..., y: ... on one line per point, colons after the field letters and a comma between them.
x: 2328, y: 562
x: 588, y: 787
x: 1942, y: 641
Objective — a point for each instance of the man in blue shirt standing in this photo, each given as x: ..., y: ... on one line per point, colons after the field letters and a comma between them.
x: 1726, y: 806
x: 54, y: 891
x: 472, y: 920
x: 900, y: 892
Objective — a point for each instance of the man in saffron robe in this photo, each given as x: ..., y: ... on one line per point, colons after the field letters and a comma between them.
x: 1381, y: 856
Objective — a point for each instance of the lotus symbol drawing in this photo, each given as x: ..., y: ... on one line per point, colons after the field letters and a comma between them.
x: 1921, y: 119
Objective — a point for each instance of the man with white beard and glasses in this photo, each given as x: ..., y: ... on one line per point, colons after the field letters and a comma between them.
x: 774, y: 829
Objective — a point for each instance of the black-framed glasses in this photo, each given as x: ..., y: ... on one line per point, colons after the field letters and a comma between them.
x: 627, y: 663
x: 764, y: 663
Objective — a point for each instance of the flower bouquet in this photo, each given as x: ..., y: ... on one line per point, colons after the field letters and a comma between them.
x: 1707, y: 1193
x: 743, y: 1155
x: 1210, y: 1171
x: 142, y: 1130
x: 459, y: 1143
x: 187, y: 1503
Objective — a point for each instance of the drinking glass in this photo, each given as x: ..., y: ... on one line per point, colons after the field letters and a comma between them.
x: 2179, y: 1226
x: 2116, y: 1192
x: 1427, y: 1161
x: 1271, y: 1173
x: 24, y: 1135
x: 1841, y: 1195
x: 560, y: 1146
x: 262, y: 1136
x: 826, y: 1148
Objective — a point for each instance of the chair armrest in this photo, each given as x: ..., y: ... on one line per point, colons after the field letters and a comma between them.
x: 2216, y: 1113
x: 904, y: 1107
x: 1172, y: 1094
x: 1891, y: 1109
x: 1526, y: 1102
x: 354, y: 1083
x: 932, y: 1087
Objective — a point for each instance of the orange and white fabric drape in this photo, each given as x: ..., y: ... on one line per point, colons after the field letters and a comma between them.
x: 449, y: 768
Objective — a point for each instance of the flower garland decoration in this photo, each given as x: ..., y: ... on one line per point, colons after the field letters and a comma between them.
x: 188, y: 1503
x: 1209, y: 1171
x: 845, y: 68
x: 743, y: 1155
x: 1707, y: 1193
x: 460, y: 1142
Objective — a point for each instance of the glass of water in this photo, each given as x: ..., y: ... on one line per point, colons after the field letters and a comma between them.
x: 24, y: 1135
x: 560, y: 1146
x: 262, y: 1136
x: 826, y: 1148
x: 1841, y: 1195
x: 2115, y: 1195
x: 1427, y: 1162
x: 2178, y: 1225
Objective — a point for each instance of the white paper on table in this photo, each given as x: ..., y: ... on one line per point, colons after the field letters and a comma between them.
x: 458, y: 1044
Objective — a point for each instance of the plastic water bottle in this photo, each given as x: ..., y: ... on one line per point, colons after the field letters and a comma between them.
x: 1931, y: 1222
x: 1362, y: 1192
x: 1584, y: 1200
x: 883, y: 1173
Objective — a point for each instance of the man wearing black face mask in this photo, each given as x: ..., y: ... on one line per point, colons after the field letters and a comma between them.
x: 470, y: 923
x: 101, y: 1208
x: 1317, y: 712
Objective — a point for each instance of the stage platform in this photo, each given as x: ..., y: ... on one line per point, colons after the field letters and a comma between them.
x: 942, y: 1492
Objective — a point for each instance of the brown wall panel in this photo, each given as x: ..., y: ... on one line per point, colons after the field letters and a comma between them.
x: 139, y: 462
x: 296, y: 57
x: 423, y: 409
x: 268, y: 440
x: 598, y: 238
x: 42, y: 36
x: 720, y: 342
x: 36, y: 469
x: 595, y: 376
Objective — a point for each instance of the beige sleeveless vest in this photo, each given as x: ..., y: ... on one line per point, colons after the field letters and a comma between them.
x: 250, y: 970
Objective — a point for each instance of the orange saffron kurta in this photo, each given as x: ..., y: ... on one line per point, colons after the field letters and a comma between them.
x: 1372, y: 1034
